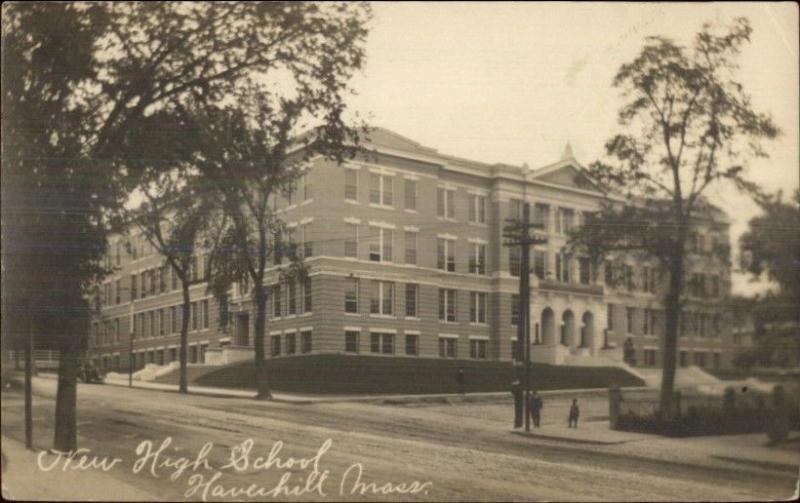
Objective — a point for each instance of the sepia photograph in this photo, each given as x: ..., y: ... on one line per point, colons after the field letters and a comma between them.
x: 400, y: 251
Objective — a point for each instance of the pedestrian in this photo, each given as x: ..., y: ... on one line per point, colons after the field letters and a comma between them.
x: 460, y: 380
x: 535, y: 408
x: 574, y: 412
x: 516, y: 392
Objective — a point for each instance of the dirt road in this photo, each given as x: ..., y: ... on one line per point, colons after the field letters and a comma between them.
x: 371, y: 452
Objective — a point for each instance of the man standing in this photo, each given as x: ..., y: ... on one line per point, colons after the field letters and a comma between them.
x: 460, y: 380
x: 572, y: 422
x: 535, y: 408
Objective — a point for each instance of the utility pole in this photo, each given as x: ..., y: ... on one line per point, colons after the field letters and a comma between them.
x: 518, y: 234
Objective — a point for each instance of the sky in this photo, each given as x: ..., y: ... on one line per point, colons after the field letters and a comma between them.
x: 514, y: 82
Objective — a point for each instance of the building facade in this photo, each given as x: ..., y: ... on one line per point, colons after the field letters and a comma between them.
x: 406, y: 257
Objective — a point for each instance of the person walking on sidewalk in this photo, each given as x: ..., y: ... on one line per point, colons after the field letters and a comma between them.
x: 574, y: 412
x: 535, y: 408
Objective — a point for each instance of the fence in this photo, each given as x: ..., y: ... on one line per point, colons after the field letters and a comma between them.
x: 43, y: 359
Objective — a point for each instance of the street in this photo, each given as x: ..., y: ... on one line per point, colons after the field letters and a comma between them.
x: 369, y: 451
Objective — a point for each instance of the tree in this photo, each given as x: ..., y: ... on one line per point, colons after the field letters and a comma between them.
x: 687, y: 125
x: 79, y: 79
x: 251, y: 156
x: 772, y: 243
x: 174, y: 217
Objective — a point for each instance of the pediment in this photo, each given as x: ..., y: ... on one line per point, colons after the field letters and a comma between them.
x: 565, y: 174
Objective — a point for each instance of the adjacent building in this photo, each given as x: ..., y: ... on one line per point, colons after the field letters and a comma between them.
x: 406, y: 256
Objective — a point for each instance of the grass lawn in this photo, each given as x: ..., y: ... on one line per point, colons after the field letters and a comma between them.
x: 344, y: 374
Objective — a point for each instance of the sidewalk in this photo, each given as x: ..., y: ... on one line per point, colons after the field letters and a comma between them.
x: 23, y: 480
x: 384, y: 399
x: 591, y: 432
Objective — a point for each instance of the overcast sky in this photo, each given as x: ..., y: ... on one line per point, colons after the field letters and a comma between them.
x: 513, y: 82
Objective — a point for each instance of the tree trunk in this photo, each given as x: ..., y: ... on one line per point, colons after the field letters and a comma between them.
x: 66, y: 432
x: 183, y: 384
x: 262, y: 379
x: 29, y: 387
x: 672, y: 312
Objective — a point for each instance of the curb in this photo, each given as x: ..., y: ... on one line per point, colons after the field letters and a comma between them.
x: 571, y: 440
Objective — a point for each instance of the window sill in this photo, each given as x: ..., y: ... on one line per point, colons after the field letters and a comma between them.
x: 351, y: 201
x: 382, y: 316
x: 412, y: 318
x: 381, y: 206
x: 410, y: 211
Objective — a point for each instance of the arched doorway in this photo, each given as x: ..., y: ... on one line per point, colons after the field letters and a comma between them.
x: 568, y: 328
x: 587, y: 330
x: 548, y: 326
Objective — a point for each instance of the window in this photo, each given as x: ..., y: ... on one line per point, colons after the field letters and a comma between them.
x: 306, y: 183
x: 448, y: 347
x: 307, y: 297
x: 382, y: 300
x: 204, y: 306
x: 194, y: 315
x: 565, y: 220
x: 351, y: 295
x: 134, y: 292
x: 610, y: 317
x: 446, y: 203
x: 381, y: 343
x: 351, y: 341
x: 193, y: 272
x: 223, y: 312
x: 380, y: 246
x: 445, y: 254
x: 514, y: 309
x: 116, y: 330
x: 411, y: 194
x: 173, y: 318
x: 291, y: 344
x: 291, y: 292
x: 351, y: 241
x: 152, y: 317
x: 700, y: 359
x: 162, y: 279
x: 447, y: 305
x: 684, y: 358
x: 412, y: 293
x: 584, y: 270
x: 477, y: 307
x: 306, y: 244
x: 650, y: 357
x: 276, y: 345
x: 541, y: 215
x: 305, y: 341
x: 477, y: 209
x: 716, y: 357
x: 117, y: 291
x: 540, y: 263
x: 412, y: 344
x: 174, y: 279
x: 562, y: 266
x: 647, y: 322
x: 276, y: 301
x: 411, y: 247
x: 380, y: 189
x: 477, y: 259
x: 515, y: 209
x: 351, y: 184
x: 477, y: 348
x: 649, y: 279
x: 714, y: 284
x: 630, y: 314
x: 514, y: 260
